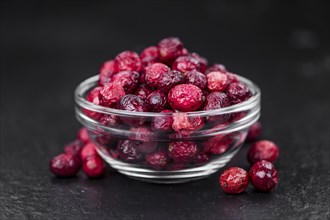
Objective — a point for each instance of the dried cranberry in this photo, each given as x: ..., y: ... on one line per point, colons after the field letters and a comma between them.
x: 169, y: 49
x: 238, y: 92
x: 127, y: 151
x: 65, y: 165
x: 186, y: 63
x: 162, y: 123
x: 106, y: 72
x: 149, y: 52
x: 202, y: 62
x: 143, y: 91
x: 217, y: 100
x: 216, y: 81
x: 110, y: 94
x: 170, y: 79
x: 234, y: 180
x: 127, y: 79
x: 196, y: 78
x: 141, y: 134
x: 93, y: 96
x: 185, y: 97
x: 88, y: 150
x: 183, y: 151
x: 154, y: 72
x: 157, y: 160
x: 216, y: 67
x: 109, y: 120
x: 156, y: 101
x: 74, y: 148
x: 132, y: 103
x: 254, y: 131
x: 127, y: 60
x: 263, y: 150
x: 142, y: 79
x: 175, y: 166
x: 263, y: 176
x: 232, y: 77
x: 185, y: 124
x: 93, y: 166
x: 236, y: 116
x: 202, y: 158
x: 83, y: 135
x: 218, y: 144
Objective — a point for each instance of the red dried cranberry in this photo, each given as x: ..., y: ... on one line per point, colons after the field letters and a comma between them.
x: 185, y: 124
x: 157, y: 160
x: 93, y: 96
x: 185, y: 97
x: 150, y: 53
x: 93, y: 166
x: 186, y: 63
x: 216, y: 100
x: 170, y: 79
x: 83, y: 135
x: 143, y: 91
x: 183, y: 151
x: 65, y: 165
x: 254, y: 131
x: 74, y: 148
x: 127, y: 60
x: 234, y: 180
x: 216, y: 67
x: 263, y: 150
x: 88, y: 150
x: 141, y: 134
x: 196, y: 78
x: 238, y: 92
x: 132, y: 103
x: 184, y: 51
x: 236, y: 116
x: 216, y: 81
x: 156, y: 101
x: 218, y: 144
x: 154, y: 72
x: 142, y: 79
x: 202, y: 158
x: 232, y: 77
x: 109, y: 120
x: 169, y: 49
x: 106, y: 72
x: 127, y: 151
x: 263, y: 176
x: 175, y: 166
x: 162, y: 123
x: 127, y: 79
x: 110, y: 94
x: 203, y: 62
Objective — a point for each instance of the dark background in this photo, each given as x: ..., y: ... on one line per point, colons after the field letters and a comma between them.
x: 48, y: 47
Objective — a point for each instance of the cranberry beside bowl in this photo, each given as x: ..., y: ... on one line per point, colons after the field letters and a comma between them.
x: 166, y: 146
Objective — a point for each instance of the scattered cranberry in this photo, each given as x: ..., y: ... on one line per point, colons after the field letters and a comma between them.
x: 127, y: 151
x: 169, y: 79
x: 254, y: 131
x: 169, y: 49
x: 74, y: 148
x: 164, y: 123
x: 202, y: 62
x: 106, y: 72
x: 202, y: 158
x: 127, y: 79
x: 238, y: 92
x: 234, y: 180
x: 185, y: 97
x: 132, y: 103
x: 83, y: 135
x: 218, y: 144
x: 216, y: 67
x: 157, y: 160
x: 88, y: 150
x: 109, y: 120
x: 196, y: 78
x: 263, y: 150
x: 182, y: 151
x: 127, y: 60
x: 93, y: 96
x: 154, y: 72
x: 65, y: 165
x: 110, y: 94
x: 185, y: 64
x: 217, y: 100
x: 185, y: 124
x: 156, y: 101
x: 143, y: 91
x: 93, y: 166
x: 263, y: 176
x: 216, y: 81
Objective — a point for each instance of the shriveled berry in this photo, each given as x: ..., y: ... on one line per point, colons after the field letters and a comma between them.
x: 216, y: 81
x: 202, y: 158
x: 183, y: 151
x: 263, y: 176
x: 127, y: 151
x: 157, y: 160
x: 169, y: 49
x: 216, y: 67
x: 142, y: 79
x: 254, y: 131
x: 156, y: 101
x: 88, y: 150
x: 150, y: 53
x: 65, y: 165
x: 185, y: 64
x: 202, y: 62
x: 218, y: 144
x: 127, y: 79
x: 127, y: 60
x: 234, y: 180
x: 185, y: 97
x: 132, y: 103
x: 170, y: 79
x: 232, y: 77
x: 93, y: 96
x: 109, y: 120
x: 106, y: 71
x: 196, y: 78
x: 164, y: 123
x: 142, y: 133
x: 74, y: 148
x: 185, y: 124
x: 238, y: 92
x: 217, y: 100
x: 83, y: 135
x: 263, y: 150
x: 154, y: 72
x: 110, y: 94
x: 93, y: 166
x: 143, y: 91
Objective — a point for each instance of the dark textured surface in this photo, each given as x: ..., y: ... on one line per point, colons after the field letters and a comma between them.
x: 47, y: 48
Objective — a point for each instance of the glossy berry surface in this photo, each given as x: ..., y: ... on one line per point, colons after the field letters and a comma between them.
x: 127, y: 60
x: 169, y: 49
x: 263, y: 176
x: 186, y: 125
x: 157, y: 160
x: 216, y: 81
x: 106, y: 71
x: 254, y: 131
x: 127, y: 151
x: 170, y: 79
x: 64, y: 165
x: 88, y: 150
x: 93, y: 167
x: 132, y: 103
x: 74, y: 148
x: 93, y: 96
x: 238, y: 92
x: 143, y: 91
x: 183, y: 151
x: 263, y: 150
x: 196, y: 78
x: 83, y: 135
x: 202, y: 62
x: 110, y: 94
x: 185, y: 64
x: 234, y: 180
x: 154, y: 72
x: 127, y: 79
x: 216, y: 67
x: 164, y: 123
x: 156, y: 101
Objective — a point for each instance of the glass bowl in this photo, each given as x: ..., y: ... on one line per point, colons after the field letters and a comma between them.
x: 202, y: 142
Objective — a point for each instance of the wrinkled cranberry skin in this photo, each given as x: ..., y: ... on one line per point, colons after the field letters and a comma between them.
x: 74, y: 148
x: 218, y: 144
x: 202, y: 158
x: 254, y: 131
x: 169, y: 49
x: 154, y: 72
x: 132, y: 103
x: 141, y: 134
x: 93, y: 167
x: 196, y: 78
x: 93, y: 96
x: 185, y: 64
x: 238, y: 92
x: 157, y: 160
x: 185, y: 97
x: 150, y: 53
x: 263, y: 150
x: 162, y: 124
x: 83, y: 135
x: 232, y: 78
x: 64, y: 165
x: 217, y: 100
x: 216, y: 81
x: 143, y: 91
x: 234, y: 180
x: 156, y: 101
x: 127, y: 60
x: 170, y: 79
x: 127, y: 151
x: 202, y: 62
x: 216, y: 67
x: 88, y: 150
x: 110, y: 94
x: 263, y: 176
x: 182, y: 151
x: 186, y: 125
x: 129, y: 80
x: 106, y: 71
x: 109, y: 120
